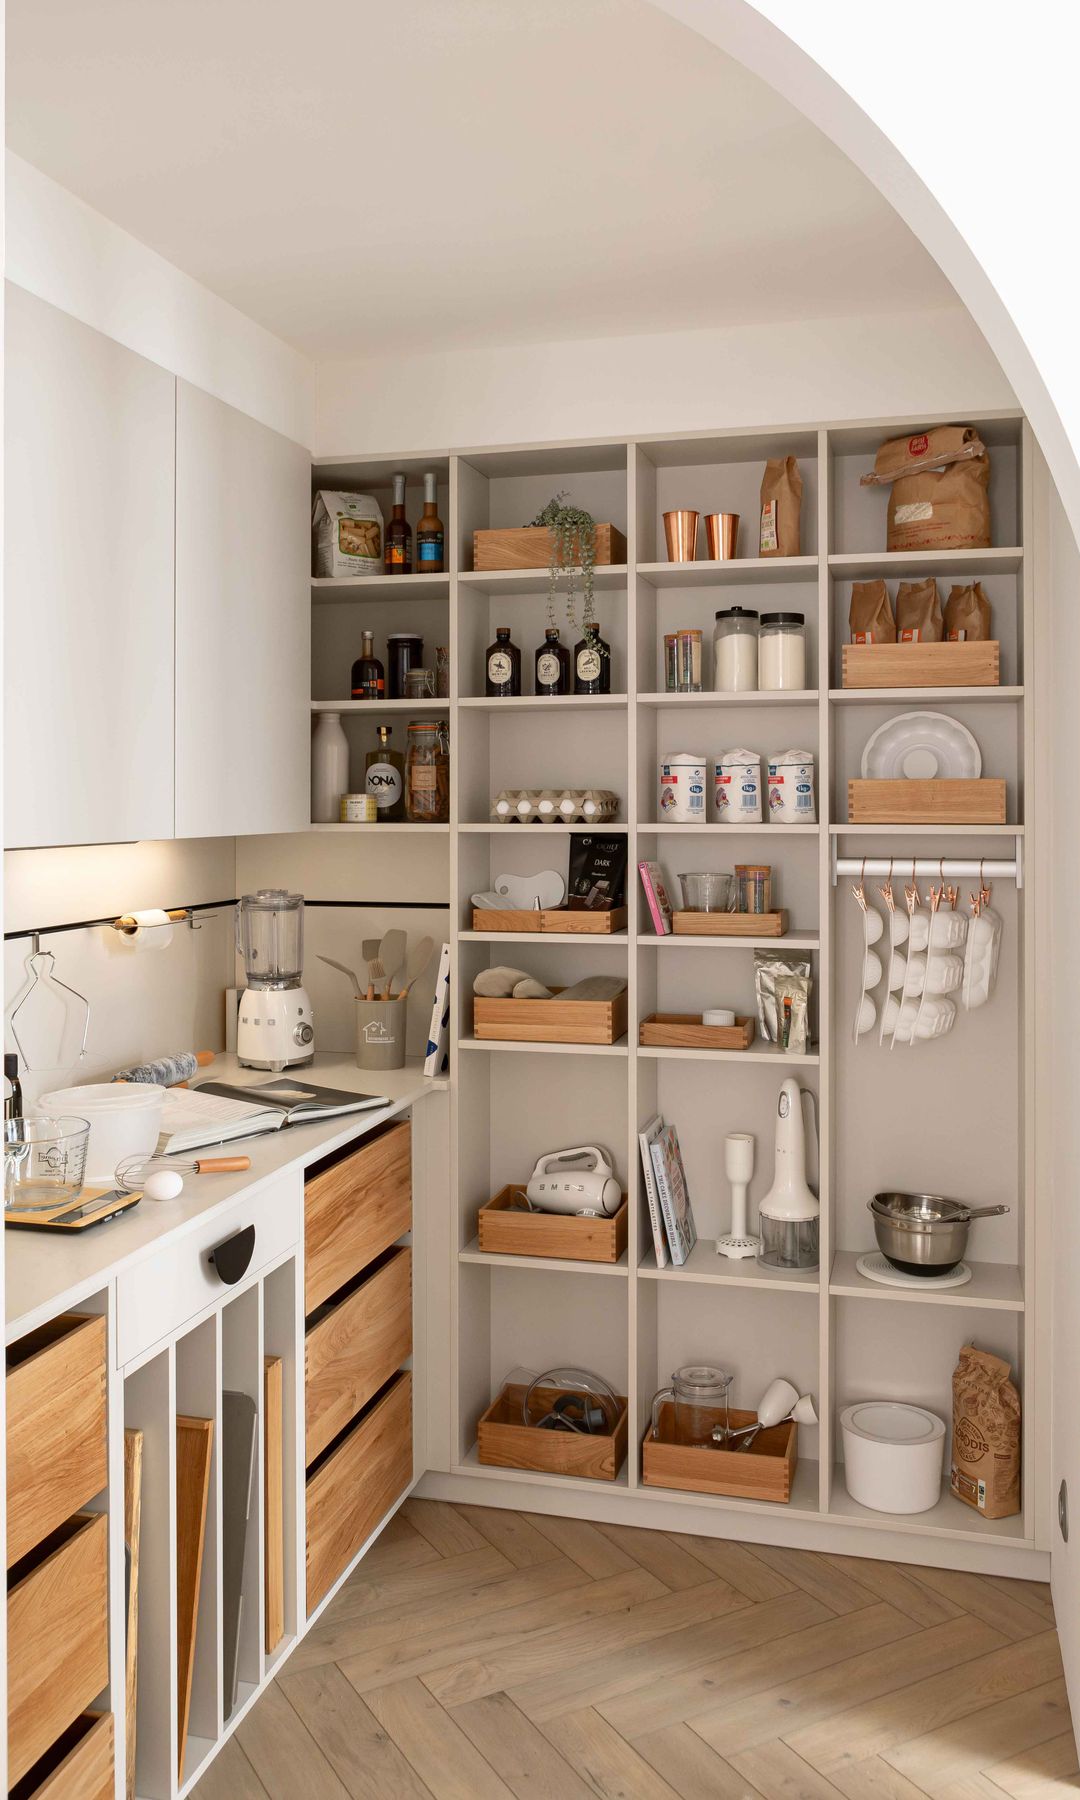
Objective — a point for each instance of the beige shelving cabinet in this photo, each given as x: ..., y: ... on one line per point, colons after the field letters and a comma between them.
x: 957, y: 1116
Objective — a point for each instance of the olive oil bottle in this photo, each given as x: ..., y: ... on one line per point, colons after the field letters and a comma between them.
x: 384, y: 778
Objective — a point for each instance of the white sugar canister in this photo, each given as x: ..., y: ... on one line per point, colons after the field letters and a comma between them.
x: 893, y: 1455
x: 737, y: 790
x: 683, y: 779
x: 791, y: 788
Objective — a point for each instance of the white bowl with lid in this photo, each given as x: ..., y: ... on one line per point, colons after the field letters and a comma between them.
x: 893, y: 1455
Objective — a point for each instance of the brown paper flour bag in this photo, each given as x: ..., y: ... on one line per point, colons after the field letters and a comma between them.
x: 870, y: 615
x: 985, y: 1470
x: 941, y: 509
x: 781, y: 503
x: 924, y: 450
x: 918, y: 612
x: 967, y: 615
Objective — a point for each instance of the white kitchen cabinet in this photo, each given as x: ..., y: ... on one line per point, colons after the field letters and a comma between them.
x: 243, y: 644
x: 88, y: 572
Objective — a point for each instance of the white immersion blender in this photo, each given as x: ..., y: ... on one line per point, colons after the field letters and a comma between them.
x: 789, y: 1215
x: 739, y: 1169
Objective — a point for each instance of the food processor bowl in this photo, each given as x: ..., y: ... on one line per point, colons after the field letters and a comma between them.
x: 707, y: 893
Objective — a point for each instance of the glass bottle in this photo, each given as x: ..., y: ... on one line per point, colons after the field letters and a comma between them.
x: 552, y: 664
x: 427, y: 773
x: 368, y: 680
x: 430, y: 543
x: 329, y: 769
x: 384, y: 778
x: 398, y: 538
x: 592, y: 663
x: 502, y: 673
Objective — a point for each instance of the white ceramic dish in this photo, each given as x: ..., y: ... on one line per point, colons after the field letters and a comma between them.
x: 892, y: 1455
x: 921, y: 746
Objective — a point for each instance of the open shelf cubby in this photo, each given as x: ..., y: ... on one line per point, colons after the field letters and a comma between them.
x: 905, y: 1118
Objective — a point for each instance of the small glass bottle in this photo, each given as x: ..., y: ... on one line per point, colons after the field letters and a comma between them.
x: 384, y: 778
x: 502, y: 669
x: 430, y: 540
x: 427, y: 773
x: 368, y: 678
x: 398, y: 538
x: 552, y: 664
x: 592, y: 663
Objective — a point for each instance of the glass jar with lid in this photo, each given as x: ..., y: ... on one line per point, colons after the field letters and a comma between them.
x: 735, y: 650
x: 782, y: 651
x: 427, y: 772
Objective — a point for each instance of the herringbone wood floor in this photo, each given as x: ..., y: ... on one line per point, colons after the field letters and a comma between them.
x: 478, y: 1654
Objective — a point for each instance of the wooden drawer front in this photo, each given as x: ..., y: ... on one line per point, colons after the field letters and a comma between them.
x: 351, y: 1352
x: 159, y: 1295
x: 57, y: 1455
x: 58, y: 1637
x: 79, y: 1766
x: 355, y: 1211
x: 356, y: 1485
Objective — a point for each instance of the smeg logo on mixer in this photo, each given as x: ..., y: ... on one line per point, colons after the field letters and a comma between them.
x: 969, y: 1440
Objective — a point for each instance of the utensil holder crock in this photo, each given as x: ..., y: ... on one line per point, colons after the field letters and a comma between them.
x: 380, y: 1034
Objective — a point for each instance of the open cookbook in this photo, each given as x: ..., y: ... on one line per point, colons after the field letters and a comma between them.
x: 218, y: 1112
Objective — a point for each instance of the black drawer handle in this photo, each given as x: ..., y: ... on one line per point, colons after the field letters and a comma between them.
x: 232, y: 1257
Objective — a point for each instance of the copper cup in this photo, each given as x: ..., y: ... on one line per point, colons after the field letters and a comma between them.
x: 722, y: 534
x: 681, y: 530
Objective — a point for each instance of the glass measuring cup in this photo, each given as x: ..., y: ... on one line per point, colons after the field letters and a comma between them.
x: 699, y: 1401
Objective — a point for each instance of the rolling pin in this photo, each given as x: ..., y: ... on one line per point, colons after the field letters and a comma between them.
x: 169, y: 1071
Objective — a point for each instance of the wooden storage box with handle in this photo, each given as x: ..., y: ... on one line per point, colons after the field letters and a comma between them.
x: 921, y: 665
x: 936, y: 802
x: 58, y: 1636
x: 551, y: 1021
x: 529, y: 547
x: 764, y: 1472
x: 506, y: 1229
x: 504, y: 1441
x: 57, y: 1453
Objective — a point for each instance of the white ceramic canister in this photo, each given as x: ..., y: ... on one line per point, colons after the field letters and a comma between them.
x: 893, y: 1455
x: 737, y: 790
x: 791, y: 788
x: 683, y: 784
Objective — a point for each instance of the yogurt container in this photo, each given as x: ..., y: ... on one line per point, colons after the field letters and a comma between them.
x: 683, y: 784
x: 791, y: 788
x: 737, y: 789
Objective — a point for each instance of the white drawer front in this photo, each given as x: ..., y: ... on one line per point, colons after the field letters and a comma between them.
x: 158, y: 1296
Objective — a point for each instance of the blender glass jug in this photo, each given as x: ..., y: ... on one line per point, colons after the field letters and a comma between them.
x: 270, y: 937
x: 698, y: 1396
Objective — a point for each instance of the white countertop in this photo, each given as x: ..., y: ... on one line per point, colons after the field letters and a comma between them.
x: 45, y: 1275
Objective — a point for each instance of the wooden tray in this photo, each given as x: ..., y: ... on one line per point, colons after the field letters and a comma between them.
x: 927, y: 802
x: 700, y: 924
x: 549, y: 1022
x: 552, y: 918
x: 505, y: 1443
x: 921, y: 665
x: 685, y: 1031
x: 503, y: 1230
x: 529, y: 547
x: 764, y: 1472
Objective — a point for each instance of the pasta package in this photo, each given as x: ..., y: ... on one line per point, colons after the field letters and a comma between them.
x: 347, y: 534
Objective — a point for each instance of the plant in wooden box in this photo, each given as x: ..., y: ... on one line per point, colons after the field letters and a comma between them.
x: 573, y: 545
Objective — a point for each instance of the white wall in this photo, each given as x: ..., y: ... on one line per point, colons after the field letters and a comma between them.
x: 934, y: 361
x: 62, y: 250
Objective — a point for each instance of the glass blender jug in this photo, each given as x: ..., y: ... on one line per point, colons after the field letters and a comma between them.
x: 275, y: 1027
x: 698, y: 1397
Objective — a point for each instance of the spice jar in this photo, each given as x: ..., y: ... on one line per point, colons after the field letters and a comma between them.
x: 735, y: 650
x: 427, y: 773
x: 782, y: 651
x: 688, y: 662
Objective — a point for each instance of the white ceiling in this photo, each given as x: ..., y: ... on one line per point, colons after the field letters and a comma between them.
x: 432, y: 173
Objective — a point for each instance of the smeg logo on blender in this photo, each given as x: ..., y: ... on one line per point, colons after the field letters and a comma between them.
x: 969, y: 1440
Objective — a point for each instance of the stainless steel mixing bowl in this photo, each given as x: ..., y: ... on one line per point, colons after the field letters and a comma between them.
x: 924, y: 1234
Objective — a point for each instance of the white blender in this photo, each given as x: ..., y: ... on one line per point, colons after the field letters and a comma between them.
x: 789, y: 1215
x: 275, y: 1026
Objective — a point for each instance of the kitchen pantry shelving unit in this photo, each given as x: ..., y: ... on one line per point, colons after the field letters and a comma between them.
x: 955, y: 1116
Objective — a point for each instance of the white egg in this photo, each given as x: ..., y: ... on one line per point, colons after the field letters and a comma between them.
x: 163, y: 1184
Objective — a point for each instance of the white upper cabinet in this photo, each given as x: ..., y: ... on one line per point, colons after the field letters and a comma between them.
x: 88, y: 576
x: 243, y: 627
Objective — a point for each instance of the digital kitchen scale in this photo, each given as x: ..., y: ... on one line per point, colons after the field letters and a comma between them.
x: 94, y: 1206
x: 877, y: 1267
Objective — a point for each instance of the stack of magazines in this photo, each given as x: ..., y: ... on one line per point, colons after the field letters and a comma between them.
x: 670, y: 1212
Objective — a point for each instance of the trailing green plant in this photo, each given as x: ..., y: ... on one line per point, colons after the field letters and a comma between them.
x: 573, y: 547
